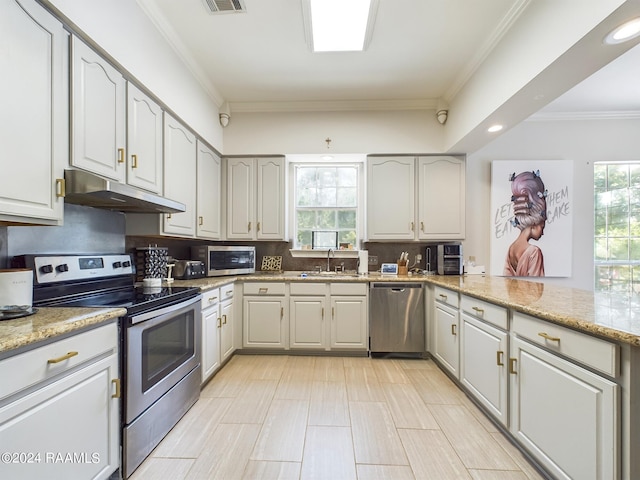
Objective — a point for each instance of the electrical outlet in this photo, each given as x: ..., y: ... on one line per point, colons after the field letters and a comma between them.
x: 418, y: 258
x: 373, y: 260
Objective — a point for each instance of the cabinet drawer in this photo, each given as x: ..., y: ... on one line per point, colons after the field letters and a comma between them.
x: 210, y: 298
x: 34, y: 366
x: 446, y: 296
x: 486, y: 311
x: 264, y: 288
x: 305, y: 288
x: 226, y: 291
x: 593, y: 352
x: 349, y: 288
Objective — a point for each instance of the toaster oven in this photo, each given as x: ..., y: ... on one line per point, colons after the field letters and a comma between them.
x: 222, y: 260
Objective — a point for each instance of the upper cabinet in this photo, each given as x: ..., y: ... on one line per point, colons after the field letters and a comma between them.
x: 34, y: 126
x: 208, y: 193
x: 256, y: 198
x: 180, y: 176
x: 415, y: 198
x: 98, y: 114
x: 144, y: 141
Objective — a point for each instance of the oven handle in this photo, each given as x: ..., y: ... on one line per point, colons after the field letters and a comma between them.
x: 156, y: 313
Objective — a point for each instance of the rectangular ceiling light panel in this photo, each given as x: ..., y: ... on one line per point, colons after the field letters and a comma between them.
x: 225, y: 6
x: 341, y: 25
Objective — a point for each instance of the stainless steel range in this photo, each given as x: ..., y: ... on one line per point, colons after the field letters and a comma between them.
x: 159, y: 335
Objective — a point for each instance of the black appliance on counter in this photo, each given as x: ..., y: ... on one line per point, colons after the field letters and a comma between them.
x: 444, y: 259
x: 160, y: 339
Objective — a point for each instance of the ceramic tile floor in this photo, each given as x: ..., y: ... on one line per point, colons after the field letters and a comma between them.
x: 305, y: 417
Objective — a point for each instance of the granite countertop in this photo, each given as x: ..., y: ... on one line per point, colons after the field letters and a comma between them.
x: 51, y: 322
x: 612, y: 317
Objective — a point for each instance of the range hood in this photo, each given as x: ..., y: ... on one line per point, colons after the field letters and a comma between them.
x: 84, y: 188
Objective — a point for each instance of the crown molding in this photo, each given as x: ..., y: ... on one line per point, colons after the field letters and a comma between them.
x: 572, y: 116
x: 334, y: 106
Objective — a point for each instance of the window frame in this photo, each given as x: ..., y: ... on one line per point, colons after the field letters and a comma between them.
x: 355, y: 160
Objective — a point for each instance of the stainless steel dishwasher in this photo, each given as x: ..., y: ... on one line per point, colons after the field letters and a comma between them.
x: 396, y: 318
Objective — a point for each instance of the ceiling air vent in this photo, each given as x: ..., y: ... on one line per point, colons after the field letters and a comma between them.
x: 225, y: 6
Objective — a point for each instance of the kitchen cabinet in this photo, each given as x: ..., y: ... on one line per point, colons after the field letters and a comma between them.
x: 308, y: 308
x: 483, y: 355
x: 424, y: 198
x: 208, y: 193
x: 35, y: 109
x: 391, y: 198
x: 217, y: 329
x: 59, y: 413
x: 564, y: 415
x: 349, y: 316
x: 228, y: 323
x: 265, y: 315
x: 144, y: 141
x: 445, y: 325
x: 180, y: 177
x: 211, y: 326
x: 97, y: 114
x: 255, y: 208
x: 441, y: 198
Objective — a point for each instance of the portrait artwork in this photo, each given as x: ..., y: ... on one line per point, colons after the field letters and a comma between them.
x: 531, y: 214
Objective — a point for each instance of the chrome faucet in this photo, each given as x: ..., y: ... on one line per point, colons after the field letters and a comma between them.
x: 329, y: 254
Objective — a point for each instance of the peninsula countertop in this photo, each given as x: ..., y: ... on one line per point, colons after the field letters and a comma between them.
x: 609, y: 316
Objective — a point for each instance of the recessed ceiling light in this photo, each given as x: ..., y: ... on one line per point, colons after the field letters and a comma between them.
x: 624, y: 32
x: 494, y: 128
x: 340, y: 26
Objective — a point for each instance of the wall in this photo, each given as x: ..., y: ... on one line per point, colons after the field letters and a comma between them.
x: 411, y: 131
x: 584, y: 142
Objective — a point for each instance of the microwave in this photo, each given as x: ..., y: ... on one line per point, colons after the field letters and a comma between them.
x: 225, y: 259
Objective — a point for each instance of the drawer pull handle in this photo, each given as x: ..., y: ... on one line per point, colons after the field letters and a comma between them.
x: 499, y: 358
x: 61, y: 188
x: 212, y: 299
x: 219, y: 322
x: 121, y: 155
x: 453, y: 329
x: 443, y: 296
x: 546, y: 336
x: 478, y: 309
x: 229, y: 293
x: 224, y: 319
x: 512, y: 366
x: 263, y: 289
x: 134, y: 161
x: 62, y: 358
x: 116, y: 382
x: 200, y: 220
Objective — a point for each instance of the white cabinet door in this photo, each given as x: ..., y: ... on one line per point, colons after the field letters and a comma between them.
x: 144, y: 141
x: 34, y: 126
x: 349, y: 320
x: 307, y: 322
x: 227, y: 345
x: 211, y: 327
x: 208, y: 193
x: 76, y: 415
x: 180, y: 176
x: 256, y: 198
x: 265, y: 322
x: 240, y: 198
x: 270, y: 208
x: 445, y: 337
x: 564, y: 415
x: 441, y: 198
x: 483, y: 360
x: 98, y: 114
x: 391, y: 198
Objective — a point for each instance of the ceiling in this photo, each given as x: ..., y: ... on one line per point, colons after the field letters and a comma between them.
x: 421, y: 54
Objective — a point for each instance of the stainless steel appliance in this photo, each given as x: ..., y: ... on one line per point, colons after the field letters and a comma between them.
x: 444, y: 259
x: 396, y: 318
x: 189, y: 269
x: 159, y: 344
x: 225, y: 259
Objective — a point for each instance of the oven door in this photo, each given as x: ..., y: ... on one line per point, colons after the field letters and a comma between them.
x: 161, y: 347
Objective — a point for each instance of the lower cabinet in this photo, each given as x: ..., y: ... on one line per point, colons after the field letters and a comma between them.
x: 59, y: 416
x: 265, y: 315
x: 217, y: 329
x: 446, y: 347
x: 349, y: 322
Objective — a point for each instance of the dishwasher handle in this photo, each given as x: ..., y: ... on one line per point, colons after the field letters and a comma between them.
x: 396, y: 286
